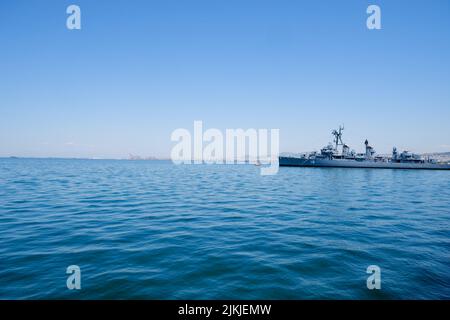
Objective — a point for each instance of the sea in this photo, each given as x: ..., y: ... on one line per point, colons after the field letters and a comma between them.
x: 156, y: 230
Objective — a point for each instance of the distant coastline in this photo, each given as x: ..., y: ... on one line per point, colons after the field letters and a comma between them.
x: 440, y: 156
x: 87, y: 158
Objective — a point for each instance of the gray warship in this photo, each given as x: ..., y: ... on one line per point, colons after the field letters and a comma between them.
x: 339, y: 155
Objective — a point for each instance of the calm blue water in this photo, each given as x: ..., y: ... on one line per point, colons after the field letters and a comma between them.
x: 150, y: 229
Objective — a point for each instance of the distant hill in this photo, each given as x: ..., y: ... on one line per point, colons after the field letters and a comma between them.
x: 444, y: 154
x: 440, y: 156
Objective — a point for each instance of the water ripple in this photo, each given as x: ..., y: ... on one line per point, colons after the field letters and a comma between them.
x: 152, y: 230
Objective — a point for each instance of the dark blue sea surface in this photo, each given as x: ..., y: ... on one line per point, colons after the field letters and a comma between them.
x: 155, y: 230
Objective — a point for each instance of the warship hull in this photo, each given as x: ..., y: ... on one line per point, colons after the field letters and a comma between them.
x: 344, y: 163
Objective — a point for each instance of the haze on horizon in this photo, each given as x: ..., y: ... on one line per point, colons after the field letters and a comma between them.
x: 137, y: 71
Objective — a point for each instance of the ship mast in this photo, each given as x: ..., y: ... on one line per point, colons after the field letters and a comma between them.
x: 338, y: 137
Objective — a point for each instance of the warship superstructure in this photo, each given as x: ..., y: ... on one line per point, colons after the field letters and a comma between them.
x: 339, y: 155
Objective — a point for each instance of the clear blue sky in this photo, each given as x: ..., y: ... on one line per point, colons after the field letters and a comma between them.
x: 137, y: 70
